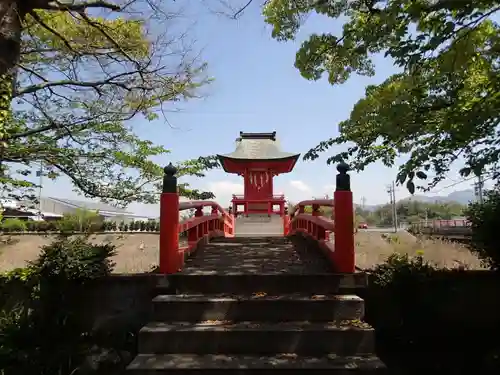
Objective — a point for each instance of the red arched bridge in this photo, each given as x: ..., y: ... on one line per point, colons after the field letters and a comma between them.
x: 261, y: 288
x: 334, y: 238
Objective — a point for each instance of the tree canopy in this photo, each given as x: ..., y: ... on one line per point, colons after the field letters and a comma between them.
x: 77, y: 73
x: 444, y: 105
x: 408, y: 211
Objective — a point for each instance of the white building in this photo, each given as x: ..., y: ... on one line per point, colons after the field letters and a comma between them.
x: 51, y: 206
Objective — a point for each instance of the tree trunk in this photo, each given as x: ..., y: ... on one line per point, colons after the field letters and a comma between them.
x: 11, y: 15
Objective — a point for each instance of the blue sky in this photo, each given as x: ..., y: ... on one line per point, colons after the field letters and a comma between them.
x: 257, y: 89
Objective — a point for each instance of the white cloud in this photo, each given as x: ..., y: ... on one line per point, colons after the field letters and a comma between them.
x: 328, y: 188
x: 300, y: 185
x: 224, y: 191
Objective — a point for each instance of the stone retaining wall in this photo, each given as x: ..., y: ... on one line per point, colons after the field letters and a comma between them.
x: 450, y: 299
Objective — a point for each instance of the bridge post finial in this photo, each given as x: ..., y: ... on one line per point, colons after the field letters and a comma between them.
x: 169, y: 179
x: 343, y: 181
x: 170, y: 261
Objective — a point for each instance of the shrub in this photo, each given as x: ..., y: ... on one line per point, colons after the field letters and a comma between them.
x: 30, y: 226
x: 74, y: 259
x: 399, y: 280
x: 81, y: 221
x: 401, y: 269
x: 142, y: 226
x: 13, y: 225
x: 136, y: 226
x: 485, y: 221
x: 41, y: 226
x: 47, y: 334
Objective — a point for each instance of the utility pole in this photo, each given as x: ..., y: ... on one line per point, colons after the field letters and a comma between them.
x: 363, y: 202
x: 478, y: 188
x: 39, y: 174
x: 480, y: 183
x: 394, y: 206
x: 391, y: 189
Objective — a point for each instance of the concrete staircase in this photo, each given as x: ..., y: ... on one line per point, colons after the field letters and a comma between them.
x: 250, y: 323
x: 259, y: 225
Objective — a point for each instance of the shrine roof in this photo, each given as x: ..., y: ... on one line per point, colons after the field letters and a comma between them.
x: 258, y: 146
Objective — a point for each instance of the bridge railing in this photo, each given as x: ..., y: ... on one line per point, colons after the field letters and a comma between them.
x: 199, y: 228
x: 457, y: 223
x: 340, y: 253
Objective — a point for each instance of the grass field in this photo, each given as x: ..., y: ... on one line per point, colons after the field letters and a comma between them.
x: 373, y: 248
x: 138, y: 253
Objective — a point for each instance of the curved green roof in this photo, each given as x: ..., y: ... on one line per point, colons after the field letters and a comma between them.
x: 258, y: 146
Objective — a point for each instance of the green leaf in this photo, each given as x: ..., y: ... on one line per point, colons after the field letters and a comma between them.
x: 411, y: 187
x: 83, y: 79
x: 465, y: 172
x: 421, y: 175
x: 442, y: 105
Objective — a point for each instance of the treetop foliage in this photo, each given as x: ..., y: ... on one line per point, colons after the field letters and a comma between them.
x: 443, y: 106
x: 81, y: 76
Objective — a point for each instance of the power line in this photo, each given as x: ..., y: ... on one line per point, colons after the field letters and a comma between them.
x: 464, y: 180
x: 454, y: 184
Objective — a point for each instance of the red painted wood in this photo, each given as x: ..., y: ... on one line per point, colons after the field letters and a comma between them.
x: 321, y: 221
x: 321, y: 202
x: 277, y: 166
x: 344, y: 231
x: 199, y: 228
x: 169, y: 233
x: 286, y: 225
x: 258, y: 185
x: 340, y: 253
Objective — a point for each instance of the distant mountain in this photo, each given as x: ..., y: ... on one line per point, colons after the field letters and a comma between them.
x: 461, y: 197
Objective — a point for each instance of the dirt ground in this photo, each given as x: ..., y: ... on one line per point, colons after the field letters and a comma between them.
x: 139, y: 252
x: 135, y: 252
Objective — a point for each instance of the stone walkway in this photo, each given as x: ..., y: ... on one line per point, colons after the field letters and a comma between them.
x: 255, y: 255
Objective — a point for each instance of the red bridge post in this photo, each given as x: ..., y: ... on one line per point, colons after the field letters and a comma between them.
x: 344, y: 221
x: 169, y: 222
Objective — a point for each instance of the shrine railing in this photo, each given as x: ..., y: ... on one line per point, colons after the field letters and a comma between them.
x: 266, y: 205
x: 199, y: 229
x: 275, y: 197
x: 339, y: 250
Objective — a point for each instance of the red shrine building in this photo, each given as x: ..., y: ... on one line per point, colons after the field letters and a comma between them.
x: 258, y: 158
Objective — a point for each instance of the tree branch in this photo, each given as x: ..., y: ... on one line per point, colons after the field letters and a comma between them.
x: 76, y: 7
x: 93, y: 84
x: 242, y: 9
x: 51, y: 30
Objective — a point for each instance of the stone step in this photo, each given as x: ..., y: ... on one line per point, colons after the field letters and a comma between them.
x: 171, y: 364
x: 212, y: 282
x: 305, y: 338
x: 252, y: 239
x: 263, y: 308
x: 252, y: 234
